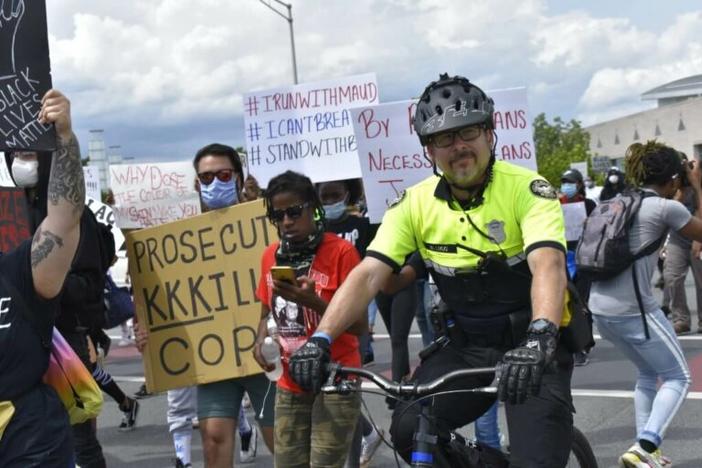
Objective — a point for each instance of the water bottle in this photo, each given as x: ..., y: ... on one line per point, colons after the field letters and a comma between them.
x: 271, y: 353
x: 272, y: 327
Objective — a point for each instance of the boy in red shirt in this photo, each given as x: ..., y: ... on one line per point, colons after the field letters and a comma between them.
x: 310, y: 430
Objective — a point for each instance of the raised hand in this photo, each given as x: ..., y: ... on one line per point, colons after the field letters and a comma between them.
x: 11, y: 12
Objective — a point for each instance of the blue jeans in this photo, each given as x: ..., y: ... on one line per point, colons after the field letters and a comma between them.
x: 486, y: 428
x: 372, y: 313
x: 660, y: 357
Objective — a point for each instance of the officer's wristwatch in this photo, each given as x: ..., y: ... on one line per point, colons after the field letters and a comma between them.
x: 543, y: 326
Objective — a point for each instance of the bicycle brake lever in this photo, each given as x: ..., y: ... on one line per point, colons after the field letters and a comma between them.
x: 330, y: 386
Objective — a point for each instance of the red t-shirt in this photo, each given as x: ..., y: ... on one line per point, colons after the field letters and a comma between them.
x: 334, y: 260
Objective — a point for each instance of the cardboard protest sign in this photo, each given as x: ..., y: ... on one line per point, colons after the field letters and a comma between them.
x: 574, y: 215
x: 194, y: 289
x: 25, y: 75
x: 392, y: 158
x: 306, y: 128
x: 14, y: 218
x: 153, y: 194
x: 93, y: 189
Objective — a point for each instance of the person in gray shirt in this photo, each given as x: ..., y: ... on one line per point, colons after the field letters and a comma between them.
x: 657, y: 170
x: 681, y: 256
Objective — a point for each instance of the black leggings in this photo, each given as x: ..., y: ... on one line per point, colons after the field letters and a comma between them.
x: 398, y: 312
x: 540, y: 430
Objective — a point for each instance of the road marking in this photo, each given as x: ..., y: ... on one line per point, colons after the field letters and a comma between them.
x: 695, y: 337
x: 128, y: 379
x: 575, y: 392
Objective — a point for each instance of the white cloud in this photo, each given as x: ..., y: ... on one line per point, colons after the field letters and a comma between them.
x: 615, y: 90
x: 176, y: 64
x: 578, y: 40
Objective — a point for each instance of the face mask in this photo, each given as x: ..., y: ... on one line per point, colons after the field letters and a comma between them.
x: 613, y: 179
x: 219, y: 194
x: 335, y: 210
x: 569, y: 190
x: 25, y: 173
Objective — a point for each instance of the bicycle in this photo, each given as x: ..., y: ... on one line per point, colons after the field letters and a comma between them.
x: 424, y: 453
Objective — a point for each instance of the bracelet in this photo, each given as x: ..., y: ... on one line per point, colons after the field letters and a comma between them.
x: 326, y: 336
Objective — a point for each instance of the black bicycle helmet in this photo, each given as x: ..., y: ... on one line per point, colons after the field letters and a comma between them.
x: 449, y: 104
x: 572, y: 175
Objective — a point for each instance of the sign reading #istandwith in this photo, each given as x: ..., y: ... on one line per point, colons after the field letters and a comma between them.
x: 306, y: 128
x: 392, y: 159
x: 194, y: 288
x: 153, y: 194
x: 25, y: 75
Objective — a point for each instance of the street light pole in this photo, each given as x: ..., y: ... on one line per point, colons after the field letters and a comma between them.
x: 289, y: 19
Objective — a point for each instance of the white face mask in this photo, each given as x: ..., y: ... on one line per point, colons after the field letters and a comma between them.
x: 613, y: 179
x: 25, y: 173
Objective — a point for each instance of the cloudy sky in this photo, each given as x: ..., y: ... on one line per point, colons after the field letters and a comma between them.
x: 165, y: 77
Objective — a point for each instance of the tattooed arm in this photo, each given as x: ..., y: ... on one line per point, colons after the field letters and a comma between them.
x: 56, y: 239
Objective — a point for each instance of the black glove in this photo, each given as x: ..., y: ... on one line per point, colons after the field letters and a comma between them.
x: 522, y: 368
x: 308, y: 365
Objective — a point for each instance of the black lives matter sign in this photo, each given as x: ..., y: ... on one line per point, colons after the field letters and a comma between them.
x: 25, y: 75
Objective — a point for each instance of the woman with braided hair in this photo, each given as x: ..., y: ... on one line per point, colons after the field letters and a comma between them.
x: 658, y: 171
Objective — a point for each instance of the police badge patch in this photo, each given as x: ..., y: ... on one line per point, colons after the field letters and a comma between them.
x: 496, y: 229
x: 541, y: 188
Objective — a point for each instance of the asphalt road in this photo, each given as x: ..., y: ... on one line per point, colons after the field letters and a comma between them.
x: 603, y: 396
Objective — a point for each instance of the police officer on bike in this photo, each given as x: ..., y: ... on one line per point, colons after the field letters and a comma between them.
x: 492, y: 236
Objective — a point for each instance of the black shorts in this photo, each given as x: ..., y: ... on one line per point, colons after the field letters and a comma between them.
x: 39, y: 434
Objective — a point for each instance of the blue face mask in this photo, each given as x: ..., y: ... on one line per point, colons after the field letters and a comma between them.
x: 569, y: 189
x: 219, y: 194
x: 335, y: 210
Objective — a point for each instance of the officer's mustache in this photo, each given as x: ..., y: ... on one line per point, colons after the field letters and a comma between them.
x: 463, y: 154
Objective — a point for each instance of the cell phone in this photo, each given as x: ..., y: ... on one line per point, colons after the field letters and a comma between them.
x: 284, y: 273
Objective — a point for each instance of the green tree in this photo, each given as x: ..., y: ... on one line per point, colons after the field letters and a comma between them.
x: 557, y: 145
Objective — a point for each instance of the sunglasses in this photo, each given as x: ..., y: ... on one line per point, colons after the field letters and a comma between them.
x: 446, y: 139
x: 223, y: 175
x: 292, y: 212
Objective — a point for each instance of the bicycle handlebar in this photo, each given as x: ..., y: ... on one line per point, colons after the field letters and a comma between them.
x: 398, y: 389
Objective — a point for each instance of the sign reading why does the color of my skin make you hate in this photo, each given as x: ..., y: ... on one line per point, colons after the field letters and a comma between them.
x: 392, y: 158
x: 153, y: 194
x: 306, y: 128
x: 194, y: 288
x: 25, y: 75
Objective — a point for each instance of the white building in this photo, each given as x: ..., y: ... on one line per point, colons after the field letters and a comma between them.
x: 98, y: 156
x: 677, y: 122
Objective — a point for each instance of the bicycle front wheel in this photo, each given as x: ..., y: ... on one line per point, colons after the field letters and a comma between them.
x: 581, y: 454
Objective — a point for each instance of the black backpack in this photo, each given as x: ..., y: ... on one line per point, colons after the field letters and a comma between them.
x: 604, y: 251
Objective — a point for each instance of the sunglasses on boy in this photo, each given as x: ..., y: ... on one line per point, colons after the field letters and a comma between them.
x: 223, y: 175
x: 293, y: 212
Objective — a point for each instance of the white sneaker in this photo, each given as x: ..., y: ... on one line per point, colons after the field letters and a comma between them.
x: 249, y: 455
x: 637, y: 457
x: 370, y: 444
